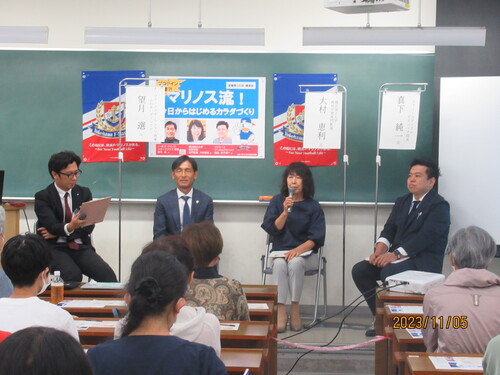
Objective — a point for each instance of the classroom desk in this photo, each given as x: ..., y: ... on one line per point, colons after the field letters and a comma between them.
x: 261, y: 292
x: 238, y: 360
x: 420, y: 364
x: 402, y: 342
x: 382, y: 347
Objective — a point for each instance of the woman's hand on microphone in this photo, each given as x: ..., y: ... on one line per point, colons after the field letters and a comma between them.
x: 287, y: 204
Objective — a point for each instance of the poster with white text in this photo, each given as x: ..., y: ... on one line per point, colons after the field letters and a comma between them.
x: 212, y: 117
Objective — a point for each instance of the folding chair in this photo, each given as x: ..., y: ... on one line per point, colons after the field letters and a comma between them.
x: 319, y: 271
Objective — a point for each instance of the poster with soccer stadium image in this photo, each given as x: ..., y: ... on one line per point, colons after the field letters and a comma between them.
x: 212, y: 117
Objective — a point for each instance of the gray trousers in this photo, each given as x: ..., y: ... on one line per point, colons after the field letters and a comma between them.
x: 289, y: 276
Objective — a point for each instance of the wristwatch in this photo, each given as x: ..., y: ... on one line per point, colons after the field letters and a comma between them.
x: 397, y: 253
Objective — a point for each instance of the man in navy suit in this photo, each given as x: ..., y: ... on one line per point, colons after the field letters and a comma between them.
x: 414, y: 237
x: 65, y: 233
x: 184, y: 205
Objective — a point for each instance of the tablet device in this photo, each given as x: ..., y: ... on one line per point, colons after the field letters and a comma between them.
x: 94, y: 210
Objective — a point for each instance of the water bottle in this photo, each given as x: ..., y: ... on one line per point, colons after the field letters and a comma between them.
x: 56, y: 288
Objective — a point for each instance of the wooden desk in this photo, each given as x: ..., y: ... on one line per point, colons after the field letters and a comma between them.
x: 261, y: 292
x: 420, y: 364
x: 382, y: 347
x: 11, y: 221
x: 238, y: 360
x: 402, y: 342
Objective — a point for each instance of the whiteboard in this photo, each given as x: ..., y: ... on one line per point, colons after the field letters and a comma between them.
x: 469, y: 151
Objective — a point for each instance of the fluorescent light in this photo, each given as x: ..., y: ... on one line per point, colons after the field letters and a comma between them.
x: 403, y: 36
x: 24, y: 34
x: 171, y: 36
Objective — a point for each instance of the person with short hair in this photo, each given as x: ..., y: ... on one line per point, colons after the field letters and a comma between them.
x: 42, y: 351
x: 183, y: 203
x: 60, y: 225
x: 170, y: 130
x: 219, y: 295
x: 296, y: 223
x: 222, y: 132
x: 154, y: 294
x: 192, y: 323
x: 26, y: 260
x: 464, y: 312
x: 6, y: 287
x: 414, y: 236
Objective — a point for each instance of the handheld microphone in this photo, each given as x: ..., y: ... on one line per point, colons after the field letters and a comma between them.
x: 291, y: 192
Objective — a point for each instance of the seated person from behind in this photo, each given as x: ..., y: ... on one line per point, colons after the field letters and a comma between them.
x: 26, y: 261
x: 469, y: 298
x: 219, y: 295
x: 154, y: 297
x: 192, y: 323
x: 43, y: 351
x: 68, y: 239
x: 491, y: 360
x: 415, y: 233
x: 297, y: 224
x: 184, y: 205
x: 5, y: 284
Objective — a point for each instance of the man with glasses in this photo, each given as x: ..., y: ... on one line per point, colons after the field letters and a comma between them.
x: 59, y: 222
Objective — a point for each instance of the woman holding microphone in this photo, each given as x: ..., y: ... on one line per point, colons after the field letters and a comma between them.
x: 296, y: 224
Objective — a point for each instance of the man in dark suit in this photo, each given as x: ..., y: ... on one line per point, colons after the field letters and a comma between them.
x: 184, y: 205
x: 65, y: 233
x: 414, y: 237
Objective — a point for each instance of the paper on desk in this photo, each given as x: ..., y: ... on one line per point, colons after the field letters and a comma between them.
x: 258, y: 306
x: 102, y: 285
x: 84, y: 324
x: 281, y: 253
x: 415, y: 333
x: 457, y: 363
x: 411, y: 309
x: 93, y: 303
x: 229, y: 326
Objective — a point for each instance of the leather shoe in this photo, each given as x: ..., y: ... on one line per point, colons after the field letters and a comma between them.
x: 370, y: 332
x: 296, y: 326
x: 281, y: 329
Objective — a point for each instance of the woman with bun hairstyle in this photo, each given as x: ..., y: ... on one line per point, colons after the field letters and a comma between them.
x: 154, y: 294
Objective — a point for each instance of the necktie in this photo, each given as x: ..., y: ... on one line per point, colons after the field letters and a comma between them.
x: 186, y: 215
x: 67, y: 211
x: 68, y: 215
x: 413, y: 207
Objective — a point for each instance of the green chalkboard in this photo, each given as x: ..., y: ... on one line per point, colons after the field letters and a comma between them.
x: 40, y: 113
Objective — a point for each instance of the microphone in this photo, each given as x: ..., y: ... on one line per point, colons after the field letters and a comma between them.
x: 291, y: 192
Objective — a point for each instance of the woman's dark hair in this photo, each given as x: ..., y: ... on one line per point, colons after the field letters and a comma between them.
x: 205, y: 242
x: 198, y: 124
x: 42, y: 351
x: 24, y: 257
x: 301, y: 170
x: 157, y: 280
x: 175, y: 245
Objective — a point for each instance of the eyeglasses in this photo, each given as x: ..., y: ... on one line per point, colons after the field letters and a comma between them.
x: 72, y: 174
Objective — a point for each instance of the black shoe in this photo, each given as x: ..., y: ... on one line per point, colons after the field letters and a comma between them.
x: 370, y: 332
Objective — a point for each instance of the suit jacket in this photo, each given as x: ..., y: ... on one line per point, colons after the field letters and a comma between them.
x: 424, y: 233
x: 50, y: 212
x: 167, y: 218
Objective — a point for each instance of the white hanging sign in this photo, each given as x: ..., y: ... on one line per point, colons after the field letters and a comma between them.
x: 399, y: 121
x: 323, y: 120
x: 145, y: 113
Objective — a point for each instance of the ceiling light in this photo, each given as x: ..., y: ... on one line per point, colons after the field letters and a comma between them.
x: 404, y: 36
x: 24, y: 34
x: 174, y: 36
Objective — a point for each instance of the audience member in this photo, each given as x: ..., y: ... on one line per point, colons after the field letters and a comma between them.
x: 219, y: 295
x: 26, y: 260
x: 5, y: 284
x: 414, y: 236
x: 296, y: 223
x: 192, y: 323
x: 67, y: 235
x: 179, y: 207
x: 154, y: 296
x: 42, y: 351
x: 491, y: 360
x: 464, y: 312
